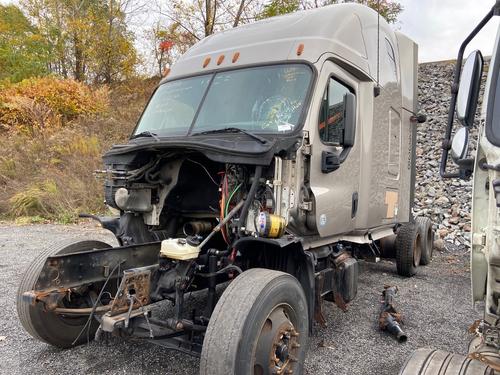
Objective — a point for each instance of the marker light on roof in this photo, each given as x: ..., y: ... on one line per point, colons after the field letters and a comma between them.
x: 300, y: 49
x: 220, y: 59
x: 206, y: 62
x: 166, y: 71
x: 236, y: 56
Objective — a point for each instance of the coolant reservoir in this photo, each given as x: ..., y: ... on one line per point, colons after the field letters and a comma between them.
x: 178, y: 248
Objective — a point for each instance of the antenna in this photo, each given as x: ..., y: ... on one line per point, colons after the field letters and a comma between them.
x: 377, y: 88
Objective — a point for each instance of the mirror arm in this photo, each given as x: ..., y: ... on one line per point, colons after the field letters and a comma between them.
x: 454, y: 91
x: 485, y: 166
x: 446, y: 144
x: 467, y: 163
x: 466, y: 168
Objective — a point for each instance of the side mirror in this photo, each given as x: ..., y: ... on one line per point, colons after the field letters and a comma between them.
x: 349, y: 119
x: 460, y: 144
x: 468, y: 91
x: 459, y: 148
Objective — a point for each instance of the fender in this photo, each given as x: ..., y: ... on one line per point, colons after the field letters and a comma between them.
x: 285, y: 254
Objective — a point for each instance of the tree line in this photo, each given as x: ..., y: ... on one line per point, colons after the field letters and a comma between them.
x: 96, y: 41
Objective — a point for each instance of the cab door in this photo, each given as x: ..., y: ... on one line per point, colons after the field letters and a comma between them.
x: 335, y: 163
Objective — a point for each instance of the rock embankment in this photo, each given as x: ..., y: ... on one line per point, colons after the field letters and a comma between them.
x: 446, y: 201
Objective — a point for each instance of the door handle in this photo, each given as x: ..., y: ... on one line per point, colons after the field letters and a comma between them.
x: 354, y: 207
x: 329, y: 162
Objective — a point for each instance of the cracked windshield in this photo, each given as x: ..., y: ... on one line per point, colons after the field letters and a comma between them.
x: 266, y: 99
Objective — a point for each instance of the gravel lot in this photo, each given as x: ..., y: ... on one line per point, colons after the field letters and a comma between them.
x: 436, y: 305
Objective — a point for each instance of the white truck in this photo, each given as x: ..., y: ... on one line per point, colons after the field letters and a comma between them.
x: 273, y: 156
x: 484, y: 166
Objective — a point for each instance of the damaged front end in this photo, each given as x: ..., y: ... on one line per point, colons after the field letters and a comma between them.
x: 197, y: 211
x: 189, y: 223
x: 186, y: 223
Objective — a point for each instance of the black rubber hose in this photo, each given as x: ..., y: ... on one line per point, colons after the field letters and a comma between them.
x: 250, y: 196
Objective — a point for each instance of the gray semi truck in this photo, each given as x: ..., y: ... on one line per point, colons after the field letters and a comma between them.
x: 484, y: 167
x: 272, y: 157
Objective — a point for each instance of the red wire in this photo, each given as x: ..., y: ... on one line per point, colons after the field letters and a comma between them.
x: 222, y: 205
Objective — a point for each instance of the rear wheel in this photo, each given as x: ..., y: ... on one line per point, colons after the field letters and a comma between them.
x: 388, y: 246
x: 408, y: 249
x: 424, y: 226
x: 438, y: 362
x: 56, y: 330
x: 259, y: 326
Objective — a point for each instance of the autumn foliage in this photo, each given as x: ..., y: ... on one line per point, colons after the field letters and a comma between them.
x: 40, y: 104
x: 166, y: 45
x: 46, y: 173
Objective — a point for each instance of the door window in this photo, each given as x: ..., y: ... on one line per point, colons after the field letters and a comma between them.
x: 331, y: 118
x: 394, y: 144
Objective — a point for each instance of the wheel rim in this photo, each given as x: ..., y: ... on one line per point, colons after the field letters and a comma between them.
x: 278, y: 348
x: 417, y: 250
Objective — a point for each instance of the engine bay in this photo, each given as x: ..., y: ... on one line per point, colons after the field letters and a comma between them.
x: 180, y: 195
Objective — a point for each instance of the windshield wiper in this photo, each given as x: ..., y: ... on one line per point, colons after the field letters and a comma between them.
x: 146, y: 133
x: 234, y: 130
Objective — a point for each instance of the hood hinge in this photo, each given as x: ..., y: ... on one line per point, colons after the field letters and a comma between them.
x: 306, y: 146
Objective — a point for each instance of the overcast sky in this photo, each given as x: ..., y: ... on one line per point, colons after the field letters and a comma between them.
x: 439, y: 26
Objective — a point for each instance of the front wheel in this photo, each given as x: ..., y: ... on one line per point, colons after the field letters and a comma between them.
x: 259, y: 326
x: 46, y: 326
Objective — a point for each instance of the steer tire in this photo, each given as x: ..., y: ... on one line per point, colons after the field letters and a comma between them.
x: 261, y: 316
x: 424, y: 226
x: 438, y: 362
x: 408, y: 250
x: 47, y: 326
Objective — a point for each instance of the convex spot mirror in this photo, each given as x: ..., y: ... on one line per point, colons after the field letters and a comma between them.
x: 468, y: 91
x: 459, y: 149
x: 460, y: 144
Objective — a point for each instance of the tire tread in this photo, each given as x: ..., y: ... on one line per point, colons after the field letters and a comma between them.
x: 228, y: 319
x: 423, y: 225
x: 404, y: 249
x: 426, y: 361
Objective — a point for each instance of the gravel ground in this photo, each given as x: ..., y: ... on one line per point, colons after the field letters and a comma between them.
x: 436, y: 305
x: 447, y: 202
